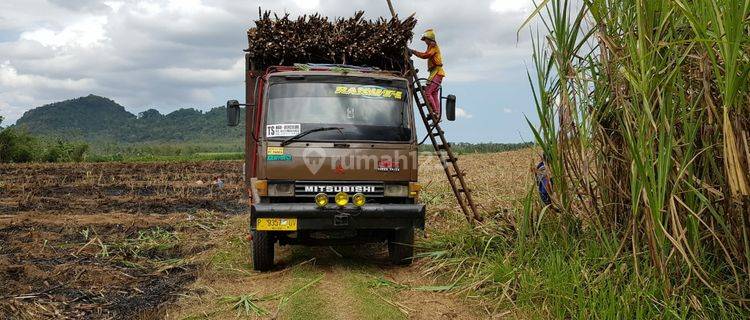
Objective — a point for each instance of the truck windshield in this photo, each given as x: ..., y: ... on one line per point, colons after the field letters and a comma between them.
x: 363, y: 112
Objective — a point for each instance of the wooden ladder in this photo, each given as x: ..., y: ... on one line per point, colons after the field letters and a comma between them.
x: 443, y: 150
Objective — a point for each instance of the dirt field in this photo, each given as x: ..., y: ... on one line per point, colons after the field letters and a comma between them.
x: 162, y: 240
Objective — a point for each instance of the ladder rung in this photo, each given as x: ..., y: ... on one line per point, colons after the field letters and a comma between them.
x: 442, y: 147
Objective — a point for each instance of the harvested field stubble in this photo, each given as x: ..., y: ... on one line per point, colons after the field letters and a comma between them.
x: 125, y: 240
x: 498, y: 182
x: 106, y: 240
x: 114, y: 188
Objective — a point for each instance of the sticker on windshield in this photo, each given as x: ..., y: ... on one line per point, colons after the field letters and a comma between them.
x: 278, y: 157
x: 282, y: 130
x: 275, y: 151
x: 370, y: 91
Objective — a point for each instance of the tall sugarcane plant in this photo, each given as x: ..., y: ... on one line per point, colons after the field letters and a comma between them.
x: 645, y: 116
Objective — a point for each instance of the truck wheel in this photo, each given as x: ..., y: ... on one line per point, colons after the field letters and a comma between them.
x: 262, y: 251
x: 401, y: 246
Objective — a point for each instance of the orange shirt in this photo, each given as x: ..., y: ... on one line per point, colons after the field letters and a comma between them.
x: 434, y: 60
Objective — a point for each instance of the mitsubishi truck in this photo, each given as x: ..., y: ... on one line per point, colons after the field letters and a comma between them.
x: 331, y: 157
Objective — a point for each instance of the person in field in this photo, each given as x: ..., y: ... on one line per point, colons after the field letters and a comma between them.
x: 435, y: 67
x: 544, y: 181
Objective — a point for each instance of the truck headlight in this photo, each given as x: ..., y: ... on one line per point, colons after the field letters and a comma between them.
x: 342, y: 198
x: 321, y: 199
x: 358, y: 199
x: 396, y: 190
x: 281, y: 190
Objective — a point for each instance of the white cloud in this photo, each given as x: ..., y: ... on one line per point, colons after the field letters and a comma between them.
x: 507, y: 110
x: 115, y: 5
x: 511, y: 6
x: 181, y: 75
x: 307, y: 4
x: 462, y: 113
x: 86, y: 33
x: 184, y: 53
x: 10, y: 78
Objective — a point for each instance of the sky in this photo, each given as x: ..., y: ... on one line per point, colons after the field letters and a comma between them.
x: 171, y: 54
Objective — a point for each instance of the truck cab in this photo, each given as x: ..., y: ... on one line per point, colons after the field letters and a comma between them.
x: 331, y: 157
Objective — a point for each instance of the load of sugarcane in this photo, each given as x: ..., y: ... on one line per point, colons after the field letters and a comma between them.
x: 314, y: 38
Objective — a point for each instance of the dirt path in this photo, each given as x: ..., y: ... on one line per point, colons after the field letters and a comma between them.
x: 313, y: 283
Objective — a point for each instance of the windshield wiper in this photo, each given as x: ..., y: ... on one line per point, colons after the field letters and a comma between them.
x: 304, y: 133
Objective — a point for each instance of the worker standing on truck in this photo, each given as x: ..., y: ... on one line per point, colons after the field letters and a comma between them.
x: 435, y: 66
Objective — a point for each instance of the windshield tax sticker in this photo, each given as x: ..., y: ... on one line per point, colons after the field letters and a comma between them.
x: 279, y: 157
x: 275, y: 151
x: 366, y: 91
x: 283, y: 130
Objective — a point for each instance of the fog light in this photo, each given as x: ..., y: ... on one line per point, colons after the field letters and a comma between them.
x: 414, y: 189
x: 341, y: 199
x: 358, y: 199
x: 262, y: 187
x: 321, y: 199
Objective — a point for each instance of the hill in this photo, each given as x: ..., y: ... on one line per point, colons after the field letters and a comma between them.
x: 100, y: 120
x: 89, y: 117
x: 110, y: 130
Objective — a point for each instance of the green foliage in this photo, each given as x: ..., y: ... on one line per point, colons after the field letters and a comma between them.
x: 373, y: 301
x: 149, y: 243
x: 643, y: 113
x: 557, y: 276
x: 246, y: 304
x: 19, y: 146
x: 102, y: 122
x: 90, y: 117
x: 62, y: 151
x: 301, y: 301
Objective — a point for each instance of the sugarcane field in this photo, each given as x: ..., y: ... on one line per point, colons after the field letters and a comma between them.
x: 390, y: 159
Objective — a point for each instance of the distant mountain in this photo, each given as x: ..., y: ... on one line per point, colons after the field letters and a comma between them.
x: 97, y: 119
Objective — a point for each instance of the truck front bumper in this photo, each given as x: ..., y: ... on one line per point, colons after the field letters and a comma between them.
x: 369, y: 216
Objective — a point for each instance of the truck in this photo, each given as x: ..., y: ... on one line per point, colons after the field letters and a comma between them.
x: 331, y: 157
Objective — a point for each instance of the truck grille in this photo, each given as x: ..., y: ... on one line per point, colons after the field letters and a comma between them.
x: 371, y: 189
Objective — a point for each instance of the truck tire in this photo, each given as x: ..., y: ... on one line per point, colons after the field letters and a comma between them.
x: 401, y: 246
x: 262, y: 251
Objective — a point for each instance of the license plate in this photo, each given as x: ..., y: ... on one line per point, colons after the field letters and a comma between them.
x: 276, y: 224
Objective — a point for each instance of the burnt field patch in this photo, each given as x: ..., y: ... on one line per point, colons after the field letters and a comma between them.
x: 110, y: 188
x: 107, y: 240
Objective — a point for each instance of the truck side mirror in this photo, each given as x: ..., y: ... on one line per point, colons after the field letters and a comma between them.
x: 450, y: 107
x: 233, y: 113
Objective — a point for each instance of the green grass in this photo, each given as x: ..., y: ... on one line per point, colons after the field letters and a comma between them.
x: 374, y: 302
x: 232, y: 256
x: 551, y: 276
x: 303, y: 301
